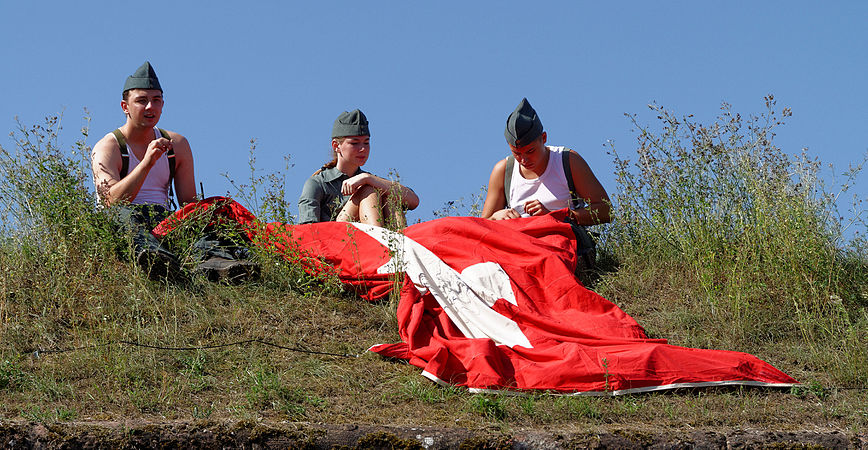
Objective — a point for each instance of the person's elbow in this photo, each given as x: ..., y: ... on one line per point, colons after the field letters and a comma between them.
x: 187, y: 198
x: 109, y: 201
x: 308, y: 210
x: 411, y: 200
x: 110, y: 196
x: 602, y: 213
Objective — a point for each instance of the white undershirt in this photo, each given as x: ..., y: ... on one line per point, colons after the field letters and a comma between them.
x: 551, y: 188
x: 155, y: 189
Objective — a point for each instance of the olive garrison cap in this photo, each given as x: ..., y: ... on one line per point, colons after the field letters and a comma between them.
x: 523, y: 125
x: 143, y: 78
x: 353, y: 123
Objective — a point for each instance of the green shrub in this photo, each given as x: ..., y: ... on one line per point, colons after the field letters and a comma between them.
x: 45, y: 191
x: 748, y: 236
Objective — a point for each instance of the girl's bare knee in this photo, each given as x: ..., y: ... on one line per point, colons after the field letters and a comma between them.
x: 366, y: 192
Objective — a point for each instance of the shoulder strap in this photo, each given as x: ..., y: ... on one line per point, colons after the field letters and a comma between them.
x: 568, y: 173
x: 170, y: 155
x: 507, y: 177
x: 125, y: 159
x: 125, y: 156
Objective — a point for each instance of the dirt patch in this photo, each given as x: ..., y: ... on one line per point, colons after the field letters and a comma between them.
x: 20, y: 435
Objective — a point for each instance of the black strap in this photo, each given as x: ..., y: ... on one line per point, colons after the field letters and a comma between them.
x: 575, y: 201
x: 507, y: 177
x: 171, y: 157
x: 125, y: 157
x: 125, y: 160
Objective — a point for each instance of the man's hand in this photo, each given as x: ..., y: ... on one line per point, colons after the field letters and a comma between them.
x: 155, y: 150
x: 535, y: 208
x: 507, y: 213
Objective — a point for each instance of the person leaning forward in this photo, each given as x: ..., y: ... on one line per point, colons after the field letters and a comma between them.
x: 545, y: 178
x: 134, y: 168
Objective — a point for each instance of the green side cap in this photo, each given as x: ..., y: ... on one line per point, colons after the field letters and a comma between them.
x: 353, y: 123
x: 523, y: 125
x: 143, y: 78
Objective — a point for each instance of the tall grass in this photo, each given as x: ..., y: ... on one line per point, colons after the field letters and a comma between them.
x: 56, y: 246
x: 746, y: 237
x: 263, y: 193
x: 472, y: 206
x: 46, y: 201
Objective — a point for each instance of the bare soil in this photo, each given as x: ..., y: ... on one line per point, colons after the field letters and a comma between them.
x: 250, y: 435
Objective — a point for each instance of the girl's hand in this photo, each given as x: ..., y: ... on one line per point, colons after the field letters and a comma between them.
x: 351, y: 185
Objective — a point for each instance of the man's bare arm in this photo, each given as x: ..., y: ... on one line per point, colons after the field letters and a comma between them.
x: 495, y: 206
x: 185, y: 179
x: 589, y: 188
x: 106, y: 166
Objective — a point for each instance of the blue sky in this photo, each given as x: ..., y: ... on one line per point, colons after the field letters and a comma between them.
x: 436, y: 79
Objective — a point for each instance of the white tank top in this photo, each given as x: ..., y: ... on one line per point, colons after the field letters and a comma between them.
x: 155, y: 189
x: 551, y: 188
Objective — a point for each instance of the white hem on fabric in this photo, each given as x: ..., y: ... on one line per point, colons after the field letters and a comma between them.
x: 525, y: 392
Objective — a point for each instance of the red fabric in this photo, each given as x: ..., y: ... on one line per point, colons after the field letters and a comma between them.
x: 220, y: 208
x: 579, y: 341
x: 322, y: 249
x: 352, y: 255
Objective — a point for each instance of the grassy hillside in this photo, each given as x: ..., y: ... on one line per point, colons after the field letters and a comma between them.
x: 719, y: 240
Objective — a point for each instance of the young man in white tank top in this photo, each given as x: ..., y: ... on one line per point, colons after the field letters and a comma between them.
x: 142, y: 190
x: 142, y: 104
x: 537, y: 188
x: 538, y: 183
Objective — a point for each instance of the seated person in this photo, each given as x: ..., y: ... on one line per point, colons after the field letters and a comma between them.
x: 546, y: 179
x: 134, y: 167
x: 343, y: 192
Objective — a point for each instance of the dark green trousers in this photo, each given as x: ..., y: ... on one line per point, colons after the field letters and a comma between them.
x: 138, y: 221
